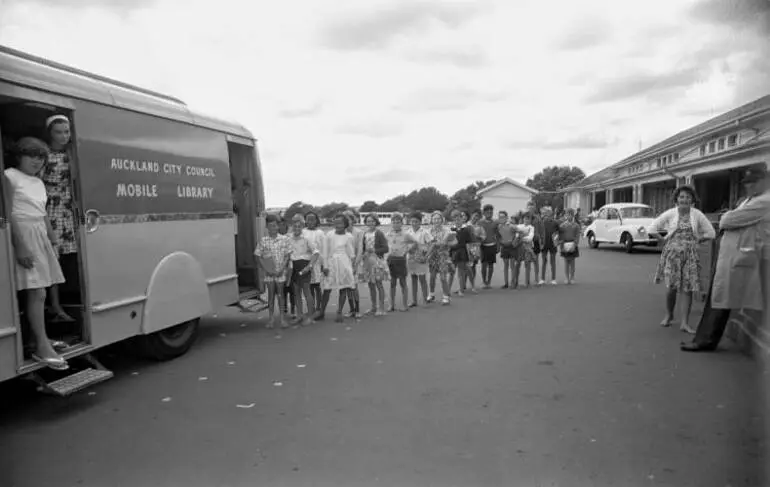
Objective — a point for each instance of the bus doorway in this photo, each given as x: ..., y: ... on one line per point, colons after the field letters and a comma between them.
x: 22, y: 118
x: 244, y: 175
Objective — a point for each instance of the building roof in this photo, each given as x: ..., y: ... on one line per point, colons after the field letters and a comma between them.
x: 756, y: 106
x: 42, y: 74
x: 505, y: 181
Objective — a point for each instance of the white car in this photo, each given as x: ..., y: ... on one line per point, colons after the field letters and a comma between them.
x: 626, y: 224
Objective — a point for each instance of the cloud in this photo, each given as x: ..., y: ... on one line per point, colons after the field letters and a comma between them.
x: 584, y: 34
x: 120, y: 5
x: 563, y: 144
x: 376, y: 28
x: 463, y: 56
x: 446, y: 98
x: 736, y: 14
x: 371, y: 128
x: 387, y: 176
x: 646, y: 85
x: 301, y: 111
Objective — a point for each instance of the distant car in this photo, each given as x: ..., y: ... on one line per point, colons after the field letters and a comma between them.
x: 622, y: 223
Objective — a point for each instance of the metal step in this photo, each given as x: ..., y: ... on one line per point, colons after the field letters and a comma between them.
x: 76, y: 382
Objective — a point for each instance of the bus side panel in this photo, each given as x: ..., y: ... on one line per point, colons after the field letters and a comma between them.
x: 160, y: 187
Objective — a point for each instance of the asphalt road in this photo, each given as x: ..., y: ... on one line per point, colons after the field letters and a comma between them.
x: 558, y: 386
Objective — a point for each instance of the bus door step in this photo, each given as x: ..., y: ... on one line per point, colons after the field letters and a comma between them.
x: 76, y: 381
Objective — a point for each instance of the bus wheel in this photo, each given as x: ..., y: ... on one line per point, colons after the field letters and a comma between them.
x: 169, y: 343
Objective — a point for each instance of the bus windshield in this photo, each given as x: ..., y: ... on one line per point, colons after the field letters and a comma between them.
x: 637, y: 212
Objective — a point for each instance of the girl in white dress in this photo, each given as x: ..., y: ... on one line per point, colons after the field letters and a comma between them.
x: 37, y: 263
x: 338, y: 257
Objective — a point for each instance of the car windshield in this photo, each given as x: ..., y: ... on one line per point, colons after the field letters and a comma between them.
x: 637, y: 212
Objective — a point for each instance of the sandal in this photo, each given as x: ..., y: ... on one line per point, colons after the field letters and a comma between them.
x: 59, y: 345
x: 55, y: 363
x: 62, y: 317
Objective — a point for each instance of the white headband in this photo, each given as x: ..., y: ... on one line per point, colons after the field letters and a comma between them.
x: 50, y: 120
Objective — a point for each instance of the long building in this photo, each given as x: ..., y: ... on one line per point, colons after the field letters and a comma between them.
x: 710, y: 156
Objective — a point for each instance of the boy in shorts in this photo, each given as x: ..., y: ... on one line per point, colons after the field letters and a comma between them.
x: 488, y: 245
x: 398, y: 242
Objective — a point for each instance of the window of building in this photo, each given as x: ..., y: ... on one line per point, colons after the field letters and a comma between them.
x: 676, y: 156
x: 703, y: 150
x: 721, y: 144
x: 732, y: 140
x: 712, y: 146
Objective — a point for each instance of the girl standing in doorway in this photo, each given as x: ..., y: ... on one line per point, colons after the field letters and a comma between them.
x: 57, y: 176
x: 34, y: 242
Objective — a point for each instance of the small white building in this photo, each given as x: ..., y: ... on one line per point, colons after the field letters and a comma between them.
x: 507, y: 195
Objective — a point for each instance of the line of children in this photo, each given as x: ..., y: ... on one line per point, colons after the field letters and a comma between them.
x: 313, y: 263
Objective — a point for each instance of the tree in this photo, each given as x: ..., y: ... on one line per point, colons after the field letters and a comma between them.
x: 298, y: 207
x: 467, y: 198
x: 330, y: 209
x: 369, y: 206
x: 550, y: 181
x: 393, y: 204
x: 426, y: 199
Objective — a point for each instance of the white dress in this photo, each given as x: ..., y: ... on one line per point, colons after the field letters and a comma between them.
x: 338, y: 255
x: 316, y: 238
x: 28, y: 214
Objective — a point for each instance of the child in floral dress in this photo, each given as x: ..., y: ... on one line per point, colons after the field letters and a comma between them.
x: 373, y: 267
x: 272, y: 254
x: 527, y: 252
x: 417, y: 259
x: 439, y: 258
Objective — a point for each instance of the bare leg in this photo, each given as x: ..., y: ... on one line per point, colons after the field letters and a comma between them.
x: 282, y: 303
x: 472, y: 276
x: 373, y: 297
x: 61, y: 315
x: 415, y: 279
x: 527, y: 272
x: 36, y: 318
x: 432, y: 283
x: 317, y: 295
x: 552, y: 258
x: 505, y: 272
x: 686, y: 308
x: 544, y: 257
x: 462, y: 272
x: 446, y: 286
x: 297, y: 291
x: 670, y: 306
x: 536, y: 264
x: 324, y: 303
x: 516, y: 273
x: 310, y: 303
x: 381, y: 291
x: 271, y: 295
x: 344, y: 294
x: 424, y: 287
x: 404, y: 292
x: 393, y: 283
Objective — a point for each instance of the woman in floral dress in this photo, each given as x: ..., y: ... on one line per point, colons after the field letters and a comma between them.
x: 56, y: 175
x: 439, y: 258
x: 679, y: 266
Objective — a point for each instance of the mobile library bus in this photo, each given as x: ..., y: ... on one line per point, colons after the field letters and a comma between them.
x: 169, y: 206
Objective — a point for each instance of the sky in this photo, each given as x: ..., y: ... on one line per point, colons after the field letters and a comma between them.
x: 355, y: 100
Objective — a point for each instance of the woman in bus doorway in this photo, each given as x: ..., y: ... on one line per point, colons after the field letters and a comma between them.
x: 57, y: 176
x: 34, y: 242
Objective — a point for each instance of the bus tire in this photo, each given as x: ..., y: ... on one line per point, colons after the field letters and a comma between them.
x: 169, y: 343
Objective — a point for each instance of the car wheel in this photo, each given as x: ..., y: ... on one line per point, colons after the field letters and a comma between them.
x: 169, y: 343
x: 592, y: 241
x: 628, y: 243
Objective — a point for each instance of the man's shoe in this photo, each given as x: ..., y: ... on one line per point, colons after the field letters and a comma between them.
x: 695, y: 347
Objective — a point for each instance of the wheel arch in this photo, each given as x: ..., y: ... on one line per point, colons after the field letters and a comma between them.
x: 177, y: 293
